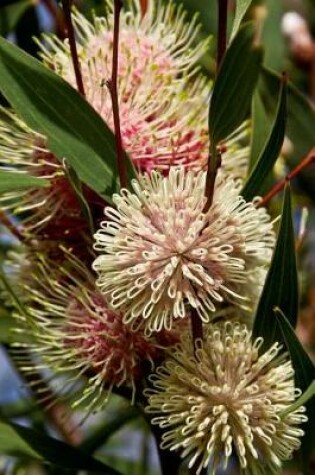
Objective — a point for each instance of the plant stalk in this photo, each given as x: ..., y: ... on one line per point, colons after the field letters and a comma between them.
x: 310, y: 158
x: 113, y: 89
x: 66, y: 5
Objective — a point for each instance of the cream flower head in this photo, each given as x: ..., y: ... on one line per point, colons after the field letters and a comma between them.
x: 159, y: 251
x: 226, y: 398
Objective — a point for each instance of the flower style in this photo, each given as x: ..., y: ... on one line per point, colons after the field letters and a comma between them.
x: 72, y: 331
x: 159, y: 250
x: 226, y: 397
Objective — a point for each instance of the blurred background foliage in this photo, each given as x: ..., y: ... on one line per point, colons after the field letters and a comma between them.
x: 287, y: 30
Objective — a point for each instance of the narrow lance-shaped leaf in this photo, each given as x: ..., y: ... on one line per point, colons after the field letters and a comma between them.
x: 53, y: 108
x: 19, y: 440
x: 304, y: 377
x: 240, y: 11
x: 260, y: 129
x: 281, y: 286
x: 271, y: 150
x: 13, y: 181
x: 301, y: 115
x: 235, y: 84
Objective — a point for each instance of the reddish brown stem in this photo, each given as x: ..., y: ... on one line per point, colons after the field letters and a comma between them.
x: 222, y: 30
x: 214, y: 159
x: 196, y: 327
x: 66, y: 4
x: 279, y: 186
x: 5, y: 220
x: 144, y: 6
x: 113, y: 88
x: 214, y: 163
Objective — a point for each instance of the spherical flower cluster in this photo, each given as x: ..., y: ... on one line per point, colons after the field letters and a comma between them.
x: 163, y: 99
x: 162, y: 102
x: 225, y: 398
x: 72, y: 331
x: 159, y: 250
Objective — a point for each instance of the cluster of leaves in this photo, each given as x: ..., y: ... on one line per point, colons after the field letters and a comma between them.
x: 75, y: 131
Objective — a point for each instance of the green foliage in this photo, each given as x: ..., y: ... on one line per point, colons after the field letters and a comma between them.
x: 270, y: 152
x: 300, y: 116
x: 53, y: 108
x: 304, y: 379
x: 240, y: 11
x: 13, y: 181
x: 19, y: 440
x: 235, y: 84
x: 11, y: 12
x: 281, y: 286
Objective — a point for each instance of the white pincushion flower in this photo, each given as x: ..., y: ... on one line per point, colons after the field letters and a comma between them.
x: 227, y: 398
x: 160, y: 251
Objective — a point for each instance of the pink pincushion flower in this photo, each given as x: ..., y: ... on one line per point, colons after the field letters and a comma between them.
x: 160, y: 252
x: 72, y: 333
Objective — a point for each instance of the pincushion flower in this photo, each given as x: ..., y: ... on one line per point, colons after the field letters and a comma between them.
x: 73, y: 334
x: 227, y: 398
x: 163, y: 98
x: 163, y: 110
x: 159, y: 251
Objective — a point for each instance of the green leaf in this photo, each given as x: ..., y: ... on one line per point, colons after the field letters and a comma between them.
x: 304, y: 377
x: 271, y: 151
x: 235, y: 84
x: 13, y: 181
x: 77, y: 188
x: 281, y: 286
x: 7, y: 323
x: 53, y: 108
x: 240, y: 11
x: 301, y: 115
x: 12, y: 12
x: 261, y: 127
x: 19, y: 440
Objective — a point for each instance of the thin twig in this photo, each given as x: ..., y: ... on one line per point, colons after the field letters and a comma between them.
x: 144, y: 6
x: 279, y: 186
x: 113, y: 89
x: 73, y: 47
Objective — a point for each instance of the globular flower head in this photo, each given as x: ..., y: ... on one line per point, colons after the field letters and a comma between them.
x: 163, y: 98
x: 74, y: 335
x: 225, y: 398
x: 159, y: 251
